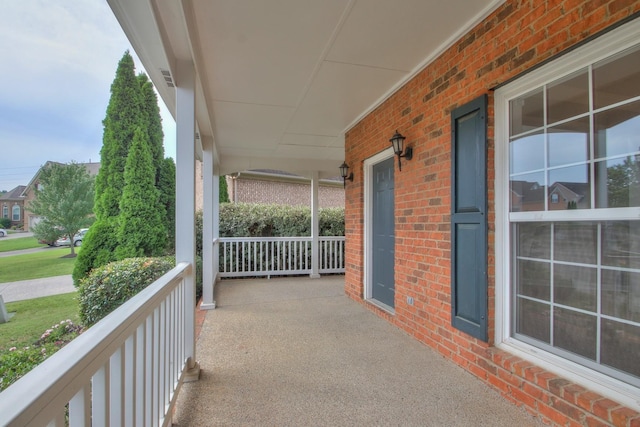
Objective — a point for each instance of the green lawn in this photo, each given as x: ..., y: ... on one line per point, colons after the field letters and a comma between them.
x: 47, y: 263
x: 35, y: 316
x: 20, y: 243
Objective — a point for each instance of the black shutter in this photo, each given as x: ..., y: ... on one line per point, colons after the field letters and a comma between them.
x: 469, y: 218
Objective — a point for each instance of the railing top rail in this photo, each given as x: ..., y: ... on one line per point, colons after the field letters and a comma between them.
x: 58, y: 378
x: 274, y: 239
x: 265, y: 239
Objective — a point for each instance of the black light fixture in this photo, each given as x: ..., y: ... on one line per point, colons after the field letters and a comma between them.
x: 344, y: 169
x: 397, y: 141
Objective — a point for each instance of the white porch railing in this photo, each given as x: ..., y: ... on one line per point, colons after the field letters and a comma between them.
x: 125, y: 370
x: 270, y: 256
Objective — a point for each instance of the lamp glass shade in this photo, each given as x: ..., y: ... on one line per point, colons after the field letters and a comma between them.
x: 344, y: 168
x: 397, y: 141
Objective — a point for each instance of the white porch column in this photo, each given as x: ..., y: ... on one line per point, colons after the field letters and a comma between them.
x: 185, y: 199
x: 315, y: 227
x: 216, y: 223
x: 211, y: 199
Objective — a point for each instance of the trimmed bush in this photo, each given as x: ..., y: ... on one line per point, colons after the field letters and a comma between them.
x: 259, y: 220
x: 5, y: 223
x: 108, y: 287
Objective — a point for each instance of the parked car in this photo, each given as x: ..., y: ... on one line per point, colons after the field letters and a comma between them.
x: 77, y: 239
x: 3, y: 232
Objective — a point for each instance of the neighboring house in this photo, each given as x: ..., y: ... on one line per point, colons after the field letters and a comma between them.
x: 275, y: 187
x: 12, y: 206
x: 29, y: 193
x: 282, y: 188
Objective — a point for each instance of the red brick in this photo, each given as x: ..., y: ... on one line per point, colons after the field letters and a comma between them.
x: 623, y: 416
x: 603, y: 408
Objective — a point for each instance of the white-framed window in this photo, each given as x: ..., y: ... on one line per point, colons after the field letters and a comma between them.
x: 15, y: 213
x: 568, y: 213
x: 5, y: 211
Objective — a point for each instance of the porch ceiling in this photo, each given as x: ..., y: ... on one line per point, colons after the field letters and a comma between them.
x: 281, y: 81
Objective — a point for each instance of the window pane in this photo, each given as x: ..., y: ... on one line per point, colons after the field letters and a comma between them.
x: 568, y: 97
x: 16, y: 213
x: 575, y: 332
x: 616, y: 131
x: 575, y: 286
x: 621, y: 294
x: 618, y: 183
x: 621, y: 346
x: 527, y: 153
x: 621, y: 244
x: 534, y: 240
x: 572, y: 186
x: 616, y: 79
x: 533, y: 279
x: 527, y: 192
x: 533, y: 320
x: 569, y: 142
x: 575, y: 242
x: 526, y: 113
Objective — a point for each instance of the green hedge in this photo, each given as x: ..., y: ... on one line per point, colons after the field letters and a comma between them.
x: 108, y: 287
x: 258, y: 220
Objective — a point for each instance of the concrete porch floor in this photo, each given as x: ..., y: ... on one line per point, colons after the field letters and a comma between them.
x: 298, y: 352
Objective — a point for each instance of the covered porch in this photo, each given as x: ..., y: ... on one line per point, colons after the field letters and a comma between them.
x: 296, y: 351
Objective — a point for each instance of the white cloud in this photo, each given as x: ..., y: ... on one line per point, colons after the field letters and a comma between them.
x: 59, y: 59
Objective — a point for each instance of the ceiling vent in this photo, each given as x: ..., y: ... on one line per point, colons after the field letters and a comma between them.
x: 167, y: 77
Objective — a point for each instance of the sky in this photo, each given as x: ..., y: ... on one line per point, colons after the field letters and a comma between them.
x: 58, y: 60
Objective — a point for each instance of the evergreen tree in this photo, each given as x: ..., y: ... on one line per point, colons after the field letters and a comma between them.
x: 122, y: 118
x: 224, y: 191
x: 120, y: 123
x: 142, y: 231
x: 167, y: 189
x: 151, y: 113
x: 135, y: 189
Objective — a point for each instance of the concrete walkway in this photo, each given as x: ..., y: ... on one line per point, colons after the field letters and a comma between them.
x: 35, y: 288
x: 298, y: 352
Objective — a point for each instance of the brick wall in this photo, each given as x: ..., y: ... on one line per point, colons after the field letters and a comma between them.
x: 283, y: 192
x: 516, y: 37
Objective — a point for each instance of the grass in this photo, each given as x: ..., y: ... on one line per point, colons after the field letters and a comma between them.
x: 20, y: 243
x: 47, y: 263
x: 35, y: 316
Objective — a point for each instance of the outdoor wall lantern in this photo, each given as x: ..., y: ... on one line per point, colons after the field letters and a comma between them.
x: 397, y: 141
x: 344, y: 169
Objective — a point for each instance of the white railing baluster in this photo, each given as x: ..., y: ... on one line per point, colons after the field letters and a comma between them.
x: 267, y: 256
x: 129, y: 379
x: 100, y: 397
x: 139, y: 390
x: 80, y: 408
x: 115, y: 388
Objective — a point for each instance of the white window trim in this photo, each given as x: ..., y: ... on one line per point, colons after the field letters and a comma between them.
x: 368, y: 223
x: 13, y: 208
x: 624, y: 37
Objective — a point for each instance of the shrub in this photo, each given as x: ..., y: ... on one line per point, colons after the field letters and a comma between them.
x: 98, y: 248
x: 260, y: 220
x: 108, y: 287
x: 15, y: 363
x: 5, y: 223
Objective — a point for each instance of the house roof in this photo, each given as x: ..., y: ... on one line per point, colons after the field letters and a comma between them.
x: 92, y: 168
x: 279, y: 83
x: 15, y: 194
